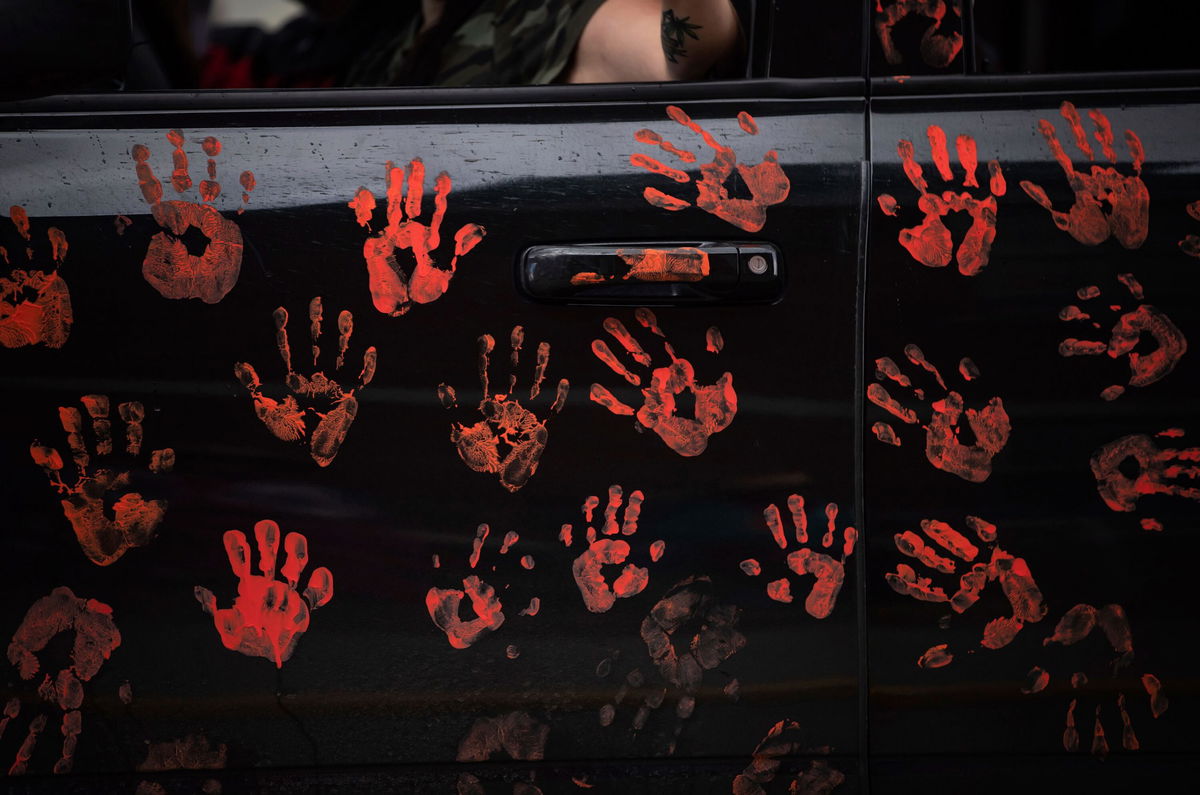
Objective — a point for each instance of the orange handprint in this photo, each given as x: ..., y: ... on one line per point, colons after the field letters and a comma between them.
x: 169, y: 267
x: 1107, y: 202
x: 767, y: 183
x: 286, y: 419
x: 1159, y: 471
x: 942, y: 40
x: 715, y: 405
x: 828, y: 571
x: 268, y: 616
x: 392, y: 290
x: 930, y: 243
x: 35, y: 304
x: 104, y: 539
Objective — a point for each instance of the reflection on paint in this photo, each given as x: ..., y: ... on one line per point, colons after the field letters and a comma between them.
x: 107, y: 518
x: 1107, y: 202
x: 930, y: 242
x: 516, y: 735
x: 828, y: 571
x: 35, y: 304
x: 510, y: 439
x: 943, y: 445
x: 655, y: 265
x: 96, y: 637
x: 599, y: 595
x: 168, y: 266
x: 1013, y: 574
x: 1145, y: 366
x: 765, y: 181
x: 285, y: 419
x: 940, y: 43
x: 783, y: 743
x: 268, y: 616
x: 714, y: 405
x: 1159, y: 471
x: 394, y: 290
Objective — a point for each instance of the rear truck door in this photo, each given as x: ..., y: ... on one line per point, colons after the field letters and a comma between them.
x: 402, y: 439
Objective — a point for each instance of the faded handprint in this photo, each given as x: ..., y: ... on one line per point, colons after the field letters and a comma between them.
x: 1107, y: 202
x: 169, y: 267
x: 1159, y: 471
x: 1190, y: 244
x: 828, y: 571
x: 1076, y: 625
x: 268, y: 616
x: 96, y: 637
x: 715, y: 405
x: 1016, y: 581
x: 193, y: 752
x: 942, y: 40
x: 765, y: 181
x: 393, y: 291
x: 444, y: 604
x: 930, y: 242
x: 785, y: 742
x: 1144, y: 368
x: 944, y: 446
x: 510, y: 439
x: 35, y: 304
x: 517, y: 736
x: 133, y: 521
x: 599, y: 595
x: 286, y: 419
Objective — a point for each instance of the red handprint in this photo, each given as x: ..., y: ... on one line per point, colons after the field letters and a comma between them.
x: 767, y: 183
x: 96, y: 637
x: 1016, y: 581
x: 516, y: 736
x: 1106, y: 201
x: 510, y: 439
x: 930, y: 243
x: 169, y: 267
x: 1144, y: 368
x: 1190, y: 244
x: 286, y: 419
x: 444, y: 604
x: 392, y: 290
x: 35, y: 304
x: 1158, y: 471
x: 103, y: 538
x: 268, y: 616
x: 785, y: 742
x: 941, y: 42
x: 944, y: 446
x: 829, y: 572
x: 715, y: 405
x: 598, y: 594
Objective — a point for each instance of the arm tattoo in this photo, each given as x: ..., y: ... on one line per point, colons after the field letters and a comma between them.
x: 674, y: 31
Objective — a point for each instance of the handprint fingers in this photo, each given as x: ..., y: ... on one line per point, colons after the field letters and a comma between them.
x: 238, y: 551
x: 652, y: 138
x: 266, y: 534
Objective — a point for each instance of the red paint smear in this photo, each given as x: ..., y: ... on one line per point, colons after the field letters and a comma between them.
x: 888, y: 204
x: 984, y: 530
x: 1132, y: 284
x: 512, y: 652
x: 766, y: 182
x: 535, y: 605
x: 885, y: 433
x: 510, y: 538
x: 938, y: 47
x: 1035, y: 681
x: 751, y: 567
x: 1106, y: 201
x: 268, y: 616
x: 936, y: 657
x: 393, y: 291
x: 1171, y: 433
x: 1150, y: 523
x: 714, y: 342
x: 656, y: 265
x: 1156, y: 470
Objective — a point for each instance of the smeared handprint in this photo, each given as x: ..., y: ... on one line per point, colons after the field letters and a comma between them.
x: 393, y: 291
x: 1159, y: 471
x: 1190, y: 244
x: 268, y: 616
x: 1016, y: 581
x: 944, y: 446
x: 169, y: 267
x: 1076, y: 625
x: 930, y: 242
x: 444, y: 604
x: 599, y: 595
x: 829, y: 572
x: 96, y: 637
x: 1107, y: 202
x: 715, y: 404
x: 1144, y: 368
x: 783, y: 744
x: 285, y: 418
x: 510, y: 439
x: 517, y: 736
x: 765, y: 181
x: 942, y: 40
x: 86, y: 503
x: 35, y: 304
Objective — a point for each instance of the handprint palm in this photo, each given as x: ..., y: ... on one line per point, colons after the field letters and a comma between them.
x: 599, y: 595
x: 268, y: 617
x: 715, y: 404
x: 35, y: 304
x: 767, y: 183
x: 393, y: 291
